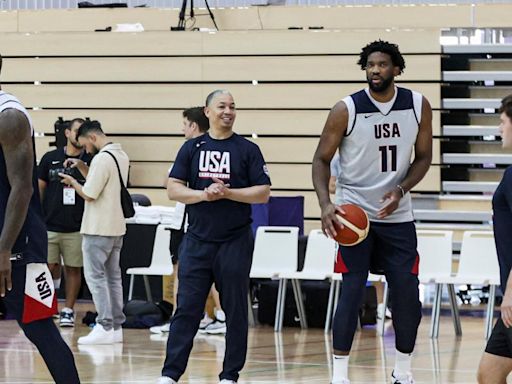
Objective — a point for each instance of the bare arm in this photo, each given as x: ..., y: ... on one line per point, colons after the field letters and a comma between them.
x: 420, y: 165
x: 178, y: 190
x: 42, y: 188
x: 16, y: 142
x: 422, y: 150
x: 250, y: 195
x: 331, y: 138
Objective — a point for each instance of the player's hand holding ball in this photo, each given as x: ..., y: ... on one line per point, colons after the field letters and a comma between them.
x: 354, y: 225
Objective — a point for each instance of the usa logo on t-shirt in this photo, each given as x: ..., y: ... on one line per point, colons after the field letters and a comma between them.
x: 214, y: 164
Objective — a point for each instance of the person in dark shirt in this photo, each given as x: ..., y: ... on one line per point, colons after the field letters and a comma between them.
x: 63, y: 210
x: 26, y: 287
x: 496, y: 362
x: 218, y: 175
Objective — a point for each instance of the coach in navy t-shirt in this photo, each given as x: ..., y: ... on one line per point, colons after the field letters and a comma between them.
x: 218, y: 175
x: 496, y: 363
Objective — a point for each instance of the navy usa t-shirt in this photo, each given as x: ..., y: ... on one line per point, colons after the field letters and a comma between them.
x: 236, y: 161
x: 502, y: 222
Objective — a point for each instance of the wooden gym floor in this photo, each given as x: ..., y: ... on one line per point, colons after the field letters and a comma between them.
x: 293, y: 356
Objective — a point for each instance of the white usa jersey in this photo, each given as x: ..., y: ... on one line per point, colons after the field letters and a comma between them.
x: 8, y: 101
x: 375, y: 153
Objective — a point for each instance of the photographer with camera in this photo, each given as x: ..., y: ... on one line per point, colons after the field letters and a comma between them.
x: 63, y: 210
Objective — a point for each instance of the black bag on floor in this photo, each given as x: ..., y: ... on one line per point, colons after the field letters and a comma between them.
x: 146, y: 314
x: 368, y: 310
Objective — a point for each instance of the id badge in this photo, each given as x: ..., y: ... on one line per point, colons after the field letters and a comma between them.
x: 69, y: 196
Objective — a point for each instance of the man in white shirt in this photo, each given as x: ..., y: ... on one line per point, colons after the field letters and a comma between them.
x: 103, y: 228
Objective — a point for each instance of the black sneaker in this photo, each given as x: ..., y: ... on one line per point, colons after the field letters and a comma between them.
x: 67, y: 318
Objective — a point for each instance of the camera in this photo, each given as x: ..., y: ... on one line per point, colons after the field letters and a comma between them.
x: 54, y: 173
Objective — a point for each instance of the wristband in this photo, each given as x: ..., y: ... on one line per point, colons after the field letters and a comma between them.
x: 401, y: 189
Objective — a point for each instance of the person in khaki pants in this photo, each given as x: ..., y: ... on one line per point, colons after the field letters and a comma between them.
x: 63, y: 210
x: 103, y: 228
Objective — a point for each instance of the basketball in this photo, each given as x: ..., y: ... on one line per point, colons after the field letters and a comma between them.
x: 355, y: 225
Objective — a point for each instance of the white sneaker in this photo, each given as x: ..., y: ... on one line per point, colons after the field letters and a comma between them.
x: 224, y: 381
x: 118, y: 335
x: 216, y: 327
x: 343, y: 381
x: 165, y: 380
x: 205, y: 321
x: 98, y: 335
x: 402, y: 379
x: 159, y: 329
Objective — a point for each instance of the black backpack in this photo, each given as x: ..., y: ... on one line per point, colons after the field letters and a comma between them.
x: 146, y: 314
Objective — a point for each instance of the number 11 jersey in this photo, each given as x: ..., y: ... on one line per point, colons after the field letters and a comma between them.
x: 376, y: 151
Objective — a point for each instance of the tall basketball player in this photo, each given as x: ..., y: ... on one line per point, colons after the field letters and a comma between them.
x: 376, y: 131
x: 26, y: 285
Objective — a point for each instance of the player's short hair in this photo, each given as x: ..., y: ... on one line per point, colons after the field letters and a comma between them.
x: 196, y: 115
x: 212, y: 95
x: 506, y: 106
x: 78, y: 120
x: 89, y: 126
x: 384, y: 47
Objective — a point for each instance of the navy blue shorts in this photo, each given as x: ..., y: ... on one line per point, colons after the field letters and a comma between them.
x: 36, y: 304
x: 500, y: 342
x: 388, y: 247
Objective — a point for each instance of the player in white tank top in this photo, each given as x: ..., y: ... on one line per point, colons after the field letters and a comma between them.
x: 375, y: 153
x: 376, y: 131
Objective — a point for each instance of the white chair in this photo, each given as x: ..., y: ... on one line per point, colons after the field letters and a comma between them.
x: 161, y: 263
x: 435, y: 249
x: 318, y: 265
x: 478, y: 264
x: 275, y: 252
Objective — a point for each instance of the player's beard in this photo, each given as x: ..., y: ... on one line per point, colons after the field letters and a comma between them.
x: 383, y: 86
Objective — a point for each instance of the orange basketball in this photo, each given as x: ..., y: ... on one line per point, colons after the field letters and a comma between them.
x: 355, y: 225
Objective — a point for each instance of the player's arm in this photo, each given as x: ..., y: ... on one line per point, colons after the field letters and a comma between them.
x: 422, y: 149
x: 331, y: 138
x: 16, y: 142
x: 418, y: 168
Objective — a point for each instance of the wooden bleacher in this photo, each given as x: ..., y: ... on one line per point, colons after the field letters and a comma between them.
x: 284, y: 83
